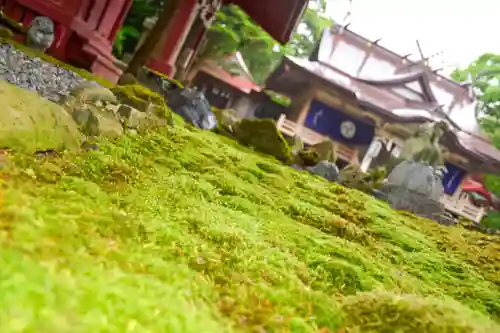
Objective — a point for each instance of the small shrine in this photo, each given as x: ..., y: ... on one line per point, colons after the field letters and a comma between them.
x: 227, y: 83
x: 370, y: 100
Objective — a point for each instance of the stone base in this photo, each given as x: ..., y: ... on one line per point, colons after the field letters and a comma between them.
x: 403, y: 199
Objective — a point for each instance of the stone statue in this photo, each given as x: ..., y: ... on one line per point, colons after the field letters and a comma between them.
x: 415, y: 184
x: 423, y: 146
x: 40, y: 34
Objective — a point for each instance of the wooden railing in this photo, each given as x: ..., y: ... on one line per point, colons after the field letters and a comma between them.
x: 310, y: 137
x: 458, y: 204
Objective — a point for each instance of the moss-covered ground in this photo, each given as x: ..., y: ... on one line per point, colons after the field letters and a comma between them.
x: 186, y: 231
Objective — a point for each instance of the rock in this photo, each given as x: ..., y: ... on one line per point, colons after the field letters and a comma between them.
x: 89, y: 146
x: 40, y: 34
x: 307, y: 157
x: 93, y: 121
x: 415, y: 187
x: 134, y: 119
x: 226, y: 119
x: 29, y: 124
x: 87, y: 93
x: 51, y: 81
x: 325, y: 169
x: 326, y: 150
x: 143, y: 99
x: 401, y: 198
x: 193, y: 107
x: 264, y: 136
x: 417, y: 177
x: 127, y: 79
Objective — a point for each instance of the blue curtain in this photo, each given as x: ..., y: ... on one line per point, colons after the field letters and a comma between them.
x: 326, y: 120
x: 453, y: 178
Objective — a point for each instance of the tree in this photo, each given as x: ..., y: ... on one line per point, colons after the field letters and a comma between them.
x: 234, y: 31
x: 146, y: 49
x: 310, y: 29
x: 484, y: 75
x: 127, y: 38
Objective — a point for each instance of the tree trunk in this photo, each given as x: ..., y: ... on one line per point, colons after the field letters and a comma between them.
x: 144, y: 52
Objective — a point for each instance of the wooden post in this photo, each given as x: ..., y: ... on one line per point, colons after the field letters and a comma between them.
x: 300, y: 108
x: 164, y: 59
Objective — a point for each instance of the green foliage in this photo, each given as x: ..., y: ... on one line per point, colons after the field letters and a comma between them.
x: 310, y: 29
x: 278, y: 98
x: 234, y: 31
x: 488, y: 86
x: 127, y: 39
x: 110, y: 240
x: 487, y: 67
x: 125, y: 33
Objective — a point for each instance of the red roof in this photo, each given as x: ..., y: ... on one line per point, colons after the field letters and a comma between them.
x: 237, y: 81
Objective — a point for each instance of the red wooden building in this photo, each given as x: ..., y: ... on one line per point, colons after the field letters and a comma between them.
x: 86, y: 29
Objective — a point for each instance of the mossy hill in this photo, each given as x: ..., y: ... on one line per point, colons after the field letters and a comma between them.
x: 179, y: 230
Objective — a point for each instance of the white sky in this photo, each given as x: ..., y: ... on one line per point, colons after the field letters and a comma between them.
x: 461, y: 29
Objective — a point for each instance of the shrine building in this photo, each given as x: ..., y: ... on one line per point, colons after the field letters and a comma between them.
x: 366, y: 97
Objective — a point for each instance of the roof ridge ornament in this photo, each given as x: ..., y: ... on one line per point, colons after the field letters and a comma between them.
x: 346, y: 21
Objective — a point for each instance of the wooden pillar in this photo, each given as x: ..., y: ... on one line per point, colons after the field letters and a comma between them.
x: 164, y: 59
x: 113, y: 18
x: 300, y: 108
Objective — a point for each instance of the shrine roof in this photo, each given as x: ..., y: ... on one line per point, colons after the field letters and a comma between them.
x: 242, y: 80
x: 278, y: 17
x: 397, y: 89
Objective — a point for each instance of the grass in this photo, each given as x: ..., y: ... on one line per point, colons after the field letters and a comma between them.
x: 186, y: 231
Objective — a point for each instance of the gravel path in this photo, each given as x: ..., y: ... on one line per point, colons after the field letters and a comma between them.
x: 49, y: 80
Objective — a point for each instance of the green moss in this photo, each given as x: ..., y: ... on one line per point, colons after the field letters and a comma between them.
x: 263, y: 135
x: 29, y: 123
x: 142, y: 98
x: 278, y: 98
x: 353, y: 177
x: 376, y: 312
x: 227, y: 121
x: 308, y: 157
x: 108, y: 240
x: 166, y: 78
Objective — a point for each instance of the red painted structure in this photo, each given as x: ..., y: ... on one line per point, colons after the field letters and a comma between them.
x: 278, y: 17
x: 85, y: 29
